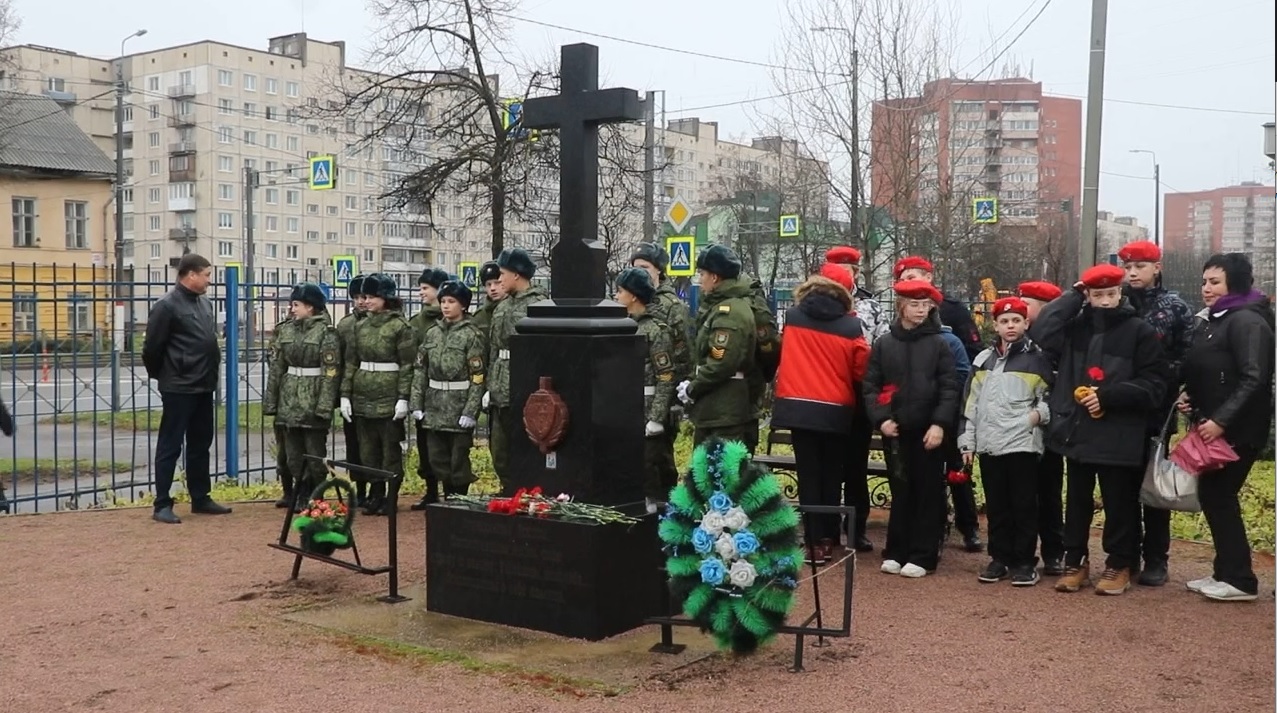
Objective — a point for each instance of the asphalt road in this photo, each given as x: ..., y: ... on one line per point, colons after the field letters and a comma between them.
x: 26, y: 393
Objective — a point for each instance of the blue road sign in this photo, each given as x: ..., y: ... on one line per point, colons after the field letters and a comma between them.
x: 344, y: 268
x: 327, y: 289
x: 682, y: 252
x: 984, y: 210
x: 470, y: 274
x: 323, y: 175
x: 789, y: 226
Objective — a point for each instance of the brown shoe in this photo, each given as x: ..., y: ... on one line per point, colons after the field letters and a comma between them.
x: 1074, y: 578
x: 825, y: 550
x: 1114, y: 581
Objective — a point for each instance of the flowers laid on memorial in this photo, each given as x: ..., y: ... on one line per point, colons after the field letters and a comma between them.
x: 324, y: 524
x: 731, y: 540
x: 532, y: 502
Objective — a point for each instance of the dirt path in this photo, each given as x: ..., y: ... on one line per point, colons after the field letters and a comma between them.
x: 106, y: 611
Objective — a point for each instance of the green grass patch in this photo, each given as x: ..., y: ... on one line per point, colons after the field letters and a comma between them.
x: 47, y: 470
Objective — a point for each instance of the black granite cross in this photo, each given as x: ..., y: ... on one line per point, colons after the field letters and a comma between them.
x: 578, y: 262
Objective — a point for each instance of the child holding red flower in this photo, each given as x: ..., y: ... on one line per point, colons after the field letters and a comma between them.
x: 911, y: 393
x: 1112, y: 372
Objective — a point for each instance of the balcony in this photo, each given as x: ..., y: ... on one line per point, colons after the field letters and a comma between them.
x: 410, y: 267
x: 181, y: 91
x: 182, y: 147
x: 183, y: 233
x: 181, y: 205
x: 61, y: 97
x: 181, y: 175
x: 180, y: 120
x: 417, y: 243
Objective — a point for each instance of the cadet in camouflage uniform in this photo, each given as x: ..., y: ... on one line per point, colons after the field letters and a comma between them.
x: 425, y: 318
x: 377, y: 381
x: 718, y: 394
x: 635, y: 292
x: 447, y: 388
x: 286, y: 479
x: 667, y: 306
x: 490, y: 278
x: 766, y: 340
x: 301, y: 387
x: 517, y: 270
x: 346, y: 333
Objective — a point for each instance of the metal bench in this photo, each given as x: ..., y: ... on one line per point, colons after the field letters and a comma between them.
x: 782, y: 464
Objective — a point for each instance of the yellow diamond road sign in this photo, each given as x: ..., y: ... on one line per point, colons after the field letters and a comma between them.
x: 678, y: 214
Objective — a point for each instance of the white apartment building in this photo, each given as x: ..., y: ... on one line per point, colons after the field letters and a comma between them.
x: 1114, y: 231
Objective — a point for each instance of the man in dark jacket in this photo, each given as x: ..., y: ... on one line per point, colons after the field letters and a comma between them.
x: 181, y: 353
x: 1111, y: 373
x: 1172, y: 320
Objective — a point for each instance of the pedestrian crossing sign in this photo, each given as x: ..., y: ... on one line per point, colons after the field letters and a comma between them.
x: 344, y: 268
x: 682, y: 252
x: 789, y: 226
x: 984, y: 210
x: 470, y: 274
x: 323, y: 173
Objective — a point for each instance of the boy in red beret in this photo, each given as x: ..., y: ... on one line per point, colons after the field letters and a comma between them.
x: 1004, y: 411
x: 911, y: 395
x: 1051, y: 466
x: 1172, y: 320
x: 1036, y: 295
x: 1111, y: 373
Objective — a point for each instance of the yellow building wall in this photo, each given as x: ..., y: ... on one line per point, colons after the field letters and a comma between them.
x: 50, y: 291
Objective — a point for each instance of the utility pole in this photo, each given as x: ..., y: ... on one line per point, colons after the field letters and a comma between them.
x: 856, y: 230
x: 649, y: 167
x: 120, y: 291
x: 250, y: 311
x: 1157, y: 204
x: 1094, y: 117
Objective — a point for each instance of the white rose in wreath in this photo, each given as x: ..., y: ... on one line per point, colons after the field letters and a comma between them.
x: 742, y: 574
x: 725, y: 546
x: 713, y: 523
x: 735, y: 519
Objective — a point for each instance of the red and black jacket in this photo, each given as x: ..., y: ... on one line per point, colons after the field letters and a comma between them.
x: 823, y: 358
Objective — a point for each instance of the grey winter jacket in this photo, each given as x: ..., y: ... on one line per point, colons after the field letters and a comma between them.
x: 1002, y: 392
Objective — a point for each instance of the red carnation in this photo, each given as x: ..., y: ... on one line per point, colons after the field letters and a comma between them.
x: 957, y: 477
x: 887, y: 394
x: 1095, y: 373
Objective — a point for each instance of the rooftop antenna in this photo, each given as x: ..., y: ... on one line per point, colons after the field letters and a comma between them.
x: 302, y: 3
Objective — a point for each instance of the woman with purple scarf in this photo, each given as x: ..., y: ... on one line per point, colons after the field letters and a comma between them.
x: 1228, y: 394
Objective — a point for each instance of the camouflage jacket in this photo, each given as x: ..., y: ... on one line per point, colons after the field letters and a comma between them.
x: 724, y: 356
x: 1169, y: 316
x: 380, y: 339
x: 670, y: 309
x: 304, y: 373
x: 869, y: 312
x: 507, y: 313
x: 345, y: 334
x: 658, y: 368
x: 424, y: 319
x: 482, y: 318
x: 447, y: 382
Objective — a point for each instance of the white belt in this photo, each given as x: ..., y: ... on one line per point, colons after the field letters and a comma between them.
x: 649, y: 390
x: 503, y: 353
x: 305, y: 371
x: 378, y: 366
x: 449, y: 385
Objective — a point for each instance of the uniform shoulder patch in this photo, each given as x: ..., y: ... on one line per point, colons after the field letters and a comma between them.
x: 476, y: 363
x: 721, y: 337
x: 330, y: 357
x: 717, y: 353
x: 724, y: 308
x: 662, y: 360
x: 330, y: 372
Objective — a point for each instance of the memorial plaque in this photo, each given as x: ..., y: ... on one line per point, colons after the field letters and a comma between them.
x: 583, y: 581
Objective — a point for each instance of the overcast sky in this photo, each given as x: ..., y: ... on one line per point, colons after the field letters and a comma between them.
x: 1218, y: 55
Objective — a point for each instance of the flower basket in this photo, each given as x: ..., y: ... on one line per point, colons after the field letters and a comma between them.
x: 325, y: 525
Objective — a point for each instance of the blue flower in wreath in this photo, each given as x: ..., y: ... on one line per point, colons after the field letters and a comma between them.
x: 746, y: 543
x: 719, y: 502
x: 702, y: 541
x: 712, y: 571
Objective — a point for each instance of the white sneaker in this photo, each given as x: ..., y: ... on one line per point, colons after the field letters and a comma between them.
x: 1197, y: 585
x: 891, y: 567
x: 912, y: 571
x: 1225, y: 592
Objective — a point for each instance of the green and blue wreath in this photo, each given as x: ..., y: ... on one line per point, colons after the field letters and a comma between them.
x: 731, y: 540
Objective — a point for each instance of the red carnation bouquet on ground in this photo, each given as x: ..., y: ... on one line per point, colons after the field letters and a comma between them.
x: 533, y: 502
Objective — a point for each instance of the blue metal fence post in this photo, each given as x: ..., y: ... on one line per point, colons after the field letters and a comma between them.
x: 232, y: 372
x: 694, y: 299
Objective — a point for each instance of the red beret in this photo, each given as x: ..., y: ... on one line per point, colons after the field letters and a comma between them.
x: 1103, y: 276
x: 911, y: 262
x: 843, y: 255
x: 1140, y: 251
x: 1044, y: 291
x: 838, y: 274
x: 918, y: 290
x: 1010, y: 305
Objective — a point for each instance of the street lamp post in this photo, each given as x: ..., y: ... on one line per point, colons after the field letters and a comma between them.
x: 1157, y: 196
x: 119, y: 197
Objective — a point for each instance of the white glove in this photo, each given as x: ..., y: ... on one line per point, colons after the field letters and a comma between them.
x: 682, y: 392
x: 466, y: 422
x: 487, y: 399
x: 347, y: 412
x: 401, y: 410
x: 653, y: 429
x: 418, y: 415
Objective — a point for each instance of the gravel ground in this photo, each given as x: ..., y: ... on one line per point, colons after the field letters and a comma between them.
x: 106, y: 611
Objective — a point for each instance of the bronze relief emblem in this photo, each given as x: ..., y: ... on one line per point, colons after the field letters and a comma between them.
x: 545, y: 416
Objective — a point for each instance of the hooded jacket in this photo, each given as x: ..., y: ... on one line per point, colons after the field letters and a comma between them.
x: 1228, y: 371
x: 1118, y: 354
x: 911, y: 379
x: 1005, y: 388
x: 822, y: 360
x: 956, y: 316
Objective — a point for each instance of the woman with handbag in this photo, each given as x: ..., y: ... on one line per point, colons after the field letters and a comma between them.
x: 1228, y: 394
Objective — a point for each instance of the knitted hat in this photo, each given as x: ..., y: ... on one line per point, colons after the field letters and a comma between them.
x: 518, y: 261
x: 309, y: 293
x: 1043, y: 291
x: 1010, y: 305
x: 432, y: 276
x: 637, y: 282
x: 918, y: 290
x: 653, y: 253
x: 719, y: 260
x: 843, y: 255
x: 1140, y: 251
x: 911, y: 262
x: 489, y: 271
x: 1103, y: 276
x: 456, y: 290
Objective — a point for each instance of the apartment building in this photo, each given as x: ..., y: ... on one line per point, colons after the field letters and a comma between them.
x: 1114, y: 231
x: 1239, y: 218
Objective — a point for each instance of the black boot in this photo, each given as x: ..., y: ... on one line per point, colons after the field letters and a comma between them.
x: 971, y: 541
x: 431, y: 495
x: 4, y: 502
x: 288, y: 497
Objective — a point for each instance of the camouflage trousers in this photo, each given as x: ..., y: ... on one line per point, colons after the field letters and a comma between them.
x: 380, y: 447
x: 304, y: 473
x: 499, y: 441
x: 450, y: 459
x: 425, y: 464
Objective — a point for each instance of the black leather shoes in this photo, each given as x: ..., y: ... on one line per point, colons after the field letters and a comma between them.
x: 863, y: 544
x: 208, y: 507
x: 166, y: 516
x: 1053, y: 567
x: 1154, y: 574
x: 972, y: 542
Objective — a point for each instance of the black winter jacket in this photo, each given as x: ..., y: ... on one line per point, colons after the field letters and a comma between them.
x: 180, y: 350
x: 1132, y: 382
x: 1228, y: 372
x: 918, y: 363
x: 956, y: 316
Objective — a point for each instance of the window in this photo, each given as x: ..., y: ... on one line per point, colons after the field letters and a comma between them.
x: 155, y: 251
x: 350, y: 229
x: 272, y: 85
x: 126, y: 195
x: 56, y: 85
x: 226, y: 164
x: 225, y: 106
x: 80, y: 313
x: 184, y: 78
x: 290, y: 252
x: 250, y: 109
x: 225, y: 78
x: 272, y: 141
x: 24, y: 222
x: 225, y: 191
x: 226, y: 220
x: 272, y: 196
x: 312, y: 236
x: 225, y: 134
x: 272, y: 113
x: 331, y: 236
x: 24, y: 313
x: 153, y: 166
x: 181, y: 190
x: 331, y: 210
x: 294, y: 225
x: 225, y: 248
x: 312, y: 209
x: 153, y: 139
x: 153, y: 223
x: 293, y: 143
x: 352, y: 202
x: 153, y: 111
x: 292, y: 197
x: 153, y: 84
x: 272, y: 250
x: 250, y: 82
x: 292, y: 89
x: 250, y: 138
x: 77, y: 222
x: 272, y: 224
x: 369, y: 230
